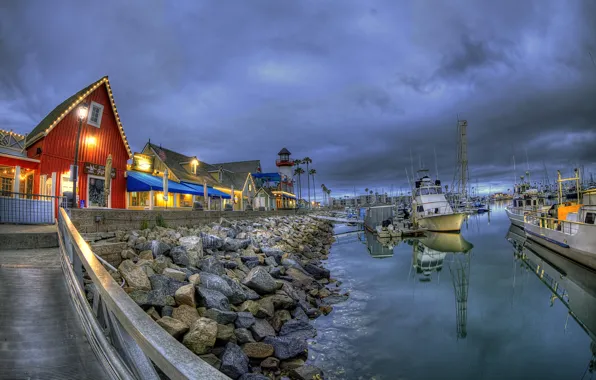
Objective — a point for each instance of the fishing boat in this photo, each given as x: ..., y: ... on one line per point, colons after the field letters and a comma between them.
x: 526, y: 200
x: 567, y: 227
x: 431, y: 209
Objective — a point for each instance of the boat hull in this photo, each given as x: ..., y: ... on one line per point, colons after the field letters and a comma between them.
x: 579, y: 247
x: 442, y: 223
x: 515, y: 218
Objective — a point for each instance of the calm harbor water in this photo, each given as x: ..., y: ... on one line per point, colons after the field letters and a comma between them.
x: 484, y: 314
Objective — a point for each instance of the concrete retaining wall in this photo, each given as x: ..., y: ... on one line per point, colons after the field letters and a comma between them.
x: 109, y: 220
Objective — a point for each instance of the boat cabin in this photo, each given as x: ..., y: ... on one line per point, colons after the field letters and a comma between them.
x: 429, y: 197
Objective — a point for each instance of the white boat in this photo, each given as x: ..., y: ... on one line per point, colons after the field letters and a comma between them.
x: 431, y: 209
x: 567, y: 228
x: 525, y: 201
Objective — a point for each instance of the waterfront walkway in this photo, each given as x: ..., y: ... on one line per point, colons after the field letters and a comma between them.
x: 338, y: 220
x: 41, y: 336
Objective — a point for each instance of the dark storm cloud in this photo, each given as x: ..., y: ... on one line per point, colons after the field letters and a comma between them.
x: 356, y: 86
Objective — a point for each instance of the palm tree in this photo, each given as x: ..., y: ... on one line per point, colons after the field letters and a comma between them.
x: 297, y: 164
x: 312, y: 172
x: 324, y: 190
x: 307, y: 161
x: 299, y: 171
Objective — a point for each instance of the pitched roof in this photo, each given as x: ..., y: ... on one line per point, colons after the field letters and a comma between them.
x: 57, y: 114
x: 266, y: 190
x: 240, y: 166
x: 174, y: 161
x: 284, y: 151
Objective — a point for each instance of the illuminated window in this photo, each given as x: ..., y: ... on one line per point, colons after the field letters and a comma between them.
x: 158, y: 200
x: 249, y: 187
x: 95, y: 114
x: 139, y: 199
x: 185, y: 200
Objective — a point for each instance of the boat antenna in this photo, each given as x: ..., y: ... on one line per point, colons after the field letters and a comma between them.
x: 436, y: 166
x: 408, y: 178
x: 411, y: 162
x: 527, y: 161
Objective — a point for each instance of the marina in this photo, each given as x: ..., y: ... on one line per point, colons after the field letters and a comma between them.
x: 451, y: 299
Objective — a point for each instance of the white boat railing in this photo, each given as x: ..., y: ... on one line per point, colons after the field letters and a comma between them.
x: 445, y: 209
x: 568, y: 227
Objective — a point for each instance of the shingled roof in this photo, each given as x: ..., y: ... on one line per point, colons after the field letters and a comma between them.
x: 240, y: 166
x: 174, y: 161
x: 57, y: 114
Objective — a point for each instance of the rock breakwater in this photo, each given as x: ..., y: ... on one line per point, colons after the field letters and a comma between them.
x: 238, y: 294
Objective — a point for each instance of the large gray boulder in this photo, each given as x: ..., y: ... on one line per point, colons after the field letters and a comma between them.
x: 262, y: 329
x: 298, y: 328
x: 151, y: 298
x: 212, y: 265
x: 259, y: 280
x: 211, y: 241
x: 212, y: 299
x: 238, y: 294
x: 179, y: 256
x: 165, y: 284
x: 222, y: 317
x: 235, y: 244
x: 317, y: 272
x: 234, y: 362
x: 159, y: 248
x: 244, y: 319
x: 215, y: 282
x: 287, y: 347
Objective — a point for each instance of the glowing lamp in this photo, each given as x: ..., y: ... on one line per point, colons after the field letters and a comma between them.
x: 83, y: 109
x: 91, y: 140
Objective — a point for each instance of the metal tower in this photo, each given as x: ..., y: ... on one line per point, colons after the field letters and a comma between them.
x: 461, y: 177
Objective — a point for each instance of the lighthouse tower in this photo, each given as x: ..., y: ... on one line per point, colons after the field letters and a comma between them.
x: 285, y: 167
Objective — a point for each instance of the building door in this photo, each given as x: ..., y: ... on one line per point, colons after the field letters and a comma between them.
x: 96, y: 192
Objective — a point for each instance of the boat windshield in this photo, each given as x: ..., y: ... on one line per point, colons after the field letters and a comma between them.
x: 429, y: 191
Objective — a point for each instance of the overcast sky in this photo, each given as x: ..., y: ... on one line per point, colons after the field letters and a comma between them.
x: 355, y: 85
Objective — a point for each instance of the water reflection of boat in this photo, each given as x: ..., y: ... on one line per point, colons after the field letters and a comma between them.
x: 574, y: 285
x: 379, y: 248
x: 429, y: 255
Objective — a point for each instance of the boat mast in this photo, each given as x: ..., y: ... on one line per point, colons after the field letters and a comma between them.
x: 462, y: 126
x: 436, y: 166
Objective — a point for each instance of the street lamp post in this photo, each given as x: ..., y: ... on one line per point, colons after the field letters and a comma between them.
x: 74, y: 171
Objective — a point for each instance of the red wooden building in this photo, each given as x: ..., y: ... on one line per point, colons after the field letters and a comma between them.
x: 49, y: 150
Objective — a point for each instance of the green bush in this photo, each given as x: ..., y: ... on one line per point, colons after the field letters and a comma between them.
x: 144, y: 224
x: 160, y: 222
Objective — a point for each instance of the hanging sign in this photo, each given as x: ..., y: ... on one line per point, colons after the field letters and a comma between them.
x: 142, y: 163
x: 97, y: 170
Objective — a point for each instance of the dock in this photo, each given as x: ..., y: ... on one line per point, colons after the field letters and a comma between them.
x: 338, y: 220
x: 402, y: 231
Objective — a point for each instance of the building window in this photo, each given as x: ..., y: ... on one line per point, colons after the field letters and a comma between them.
x: 249, y: 187
x: 158, y: 200
x: 6, y: 186
x: 95, y: 114
x: 139, y: 199
x: 185, y: 200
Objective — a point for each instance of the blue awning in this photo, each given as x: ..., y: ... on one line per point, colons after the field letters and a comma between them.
x: 211, y: 192
x: 217, y: 194
x: 137, y: 181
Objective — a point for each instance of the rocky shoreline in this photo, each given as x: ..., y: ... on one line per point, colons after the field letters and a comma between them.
x: 238, y: 294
